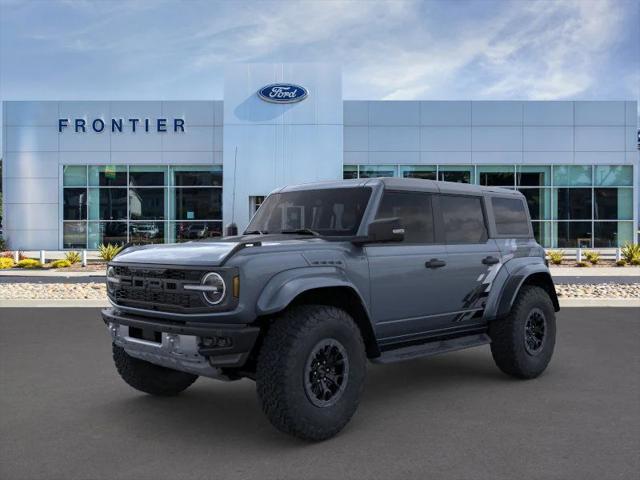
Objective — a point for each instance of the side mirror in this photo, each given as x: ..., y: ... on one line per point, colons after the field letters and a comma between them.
x: 384, y: 230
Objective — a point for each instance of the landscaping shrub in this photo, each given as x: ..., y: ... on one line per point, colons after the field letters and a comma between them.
x: 3, y: 244
x: 621, y: 263
x: 635, y: 261
x: 631, y: 252
x: 592, y: 256
x: 6, y: 263
x: 61, y: 264
x: 582, y: 264
x: 73, y: 257
x: 108, y: 252
x: 556, y: 256
x: 29, y: 263
x: 7, y: 254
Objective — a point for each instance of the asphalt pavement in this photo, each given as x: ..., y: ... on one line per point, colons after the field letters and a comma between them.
x: 65, y: 413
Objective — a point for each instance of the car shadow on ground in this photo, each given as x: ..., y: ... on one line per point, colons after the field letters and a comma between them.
x: 214, y: 410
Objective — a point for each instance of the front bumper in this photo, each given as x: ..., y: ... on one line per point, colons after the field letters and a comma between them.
x: 180, y: 345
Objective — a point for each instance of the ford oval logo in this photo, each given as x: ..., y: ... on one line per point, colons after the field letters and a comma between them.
x: 283, y: 93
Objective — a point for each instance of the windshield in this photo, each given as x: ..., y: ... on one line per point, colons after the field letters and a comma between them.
x: 326, y: 212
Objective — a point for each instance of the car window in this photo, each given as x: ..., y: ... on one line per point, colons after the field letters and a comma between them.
x: 510, y: 216
x: 414, y: 212
x: 463, y: 219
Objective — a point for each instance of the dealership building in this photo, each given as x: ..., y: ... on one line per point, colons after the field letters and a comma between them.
x: 80, y: 173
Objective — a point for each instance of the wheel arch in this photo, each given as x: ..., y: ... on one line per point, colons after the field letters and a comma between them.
x: 535, y: 275
x: 322, y: 286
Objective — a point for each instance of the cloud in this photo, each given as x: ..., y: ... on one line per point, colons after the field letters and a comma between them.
x: 389, y: 49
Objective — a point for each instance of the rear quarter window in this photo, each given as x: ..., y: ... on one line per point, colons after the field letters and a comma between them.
x: 510, y: 216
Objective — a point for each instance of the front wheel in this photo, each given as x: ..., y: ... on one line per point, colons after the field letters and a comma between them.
x: 150, y: 378
x: 522, y: 344
x: 311, y: 371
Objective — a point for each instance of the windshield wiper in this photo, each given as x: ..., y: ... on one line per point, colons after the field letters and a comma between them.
x: 256, y: 232
x: 302, y: 231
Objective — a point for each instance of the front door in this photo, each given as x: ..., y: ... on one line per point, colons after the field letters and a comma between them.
x: 407, y: 293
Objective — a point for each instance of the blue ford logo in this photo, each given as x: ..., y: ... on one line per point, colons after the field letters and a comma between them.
x: 283, y: 93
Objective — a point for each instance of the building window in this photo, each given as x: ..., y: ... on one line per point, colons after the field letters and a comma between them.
x: 140, y: 204
x: 456, y: 173
x: 254, y: 204
x: 425, y: 172
x: 374, y: 171
x: 589, y: 206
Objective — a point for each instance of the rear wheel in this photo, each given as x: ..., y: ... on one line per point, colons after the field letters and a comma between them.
x: 150, y: 378
x: 311, y: 371
x: 522, y: 344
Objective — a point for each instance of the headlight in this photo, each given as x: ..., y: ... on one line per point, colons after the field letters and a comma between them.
x: 212, y: 287
x: 111, y: 278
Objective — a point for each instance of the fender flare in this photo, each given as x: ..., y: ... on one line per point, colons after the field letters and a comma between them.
x: 501, y: 304
x: 284, y: 287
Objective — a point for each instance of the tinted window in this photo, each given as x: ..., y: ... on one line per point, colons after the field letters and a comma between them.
x: 414, y: 212
x: 463, y: 219
x: 510, y: 216
x: 330, y: 212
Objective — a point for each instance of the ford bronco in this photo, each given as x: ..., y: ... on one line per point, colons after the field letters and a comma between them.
x: 327, y: 277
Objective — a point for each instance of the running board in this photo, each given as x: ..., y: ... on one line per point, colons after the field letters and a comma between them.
x: 432, y: 348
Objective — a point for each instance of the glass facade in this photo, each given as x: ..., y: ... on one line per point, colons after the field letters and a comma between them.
x: 589, y: 206
x: 140, y: 204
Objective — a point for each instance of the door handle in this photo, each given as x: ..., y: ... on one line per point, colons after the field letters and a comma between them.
x: 490, y: 260
x: 435, y: 263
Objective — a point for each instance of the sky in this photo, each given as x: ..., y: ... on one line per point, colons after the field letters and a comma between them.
x: 452, y: 49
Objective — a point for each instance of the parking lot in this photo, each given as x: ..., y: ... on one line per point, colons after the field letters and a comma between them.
x: 65, y: 414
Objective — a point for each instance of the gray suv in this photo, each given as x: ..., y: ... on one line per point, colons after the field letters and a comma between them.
x: 326, y: 277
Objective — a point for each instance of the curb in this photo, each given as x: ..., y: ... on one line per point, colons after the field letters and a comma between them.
x: 599, y: 302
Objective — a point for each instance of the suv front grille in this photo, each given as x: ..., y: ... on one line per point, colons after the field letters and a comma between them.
x: 158, y: 289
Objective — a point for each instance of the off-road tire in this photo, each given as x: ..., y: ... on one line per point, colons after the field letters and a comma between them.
x: 508, y: 335
x: 150, y: 378
x: 283, y: 366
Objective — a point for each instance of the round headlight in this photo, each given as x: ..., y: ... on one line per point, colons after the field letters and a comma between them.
x: 214, y: 288
x: 111, y: 278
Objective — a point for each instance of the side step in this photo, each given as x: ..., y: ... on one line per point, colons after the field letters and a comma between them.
x: 433, y: 348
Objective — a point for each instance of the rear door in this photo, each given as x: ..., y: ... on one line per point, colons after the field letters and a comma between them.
x: 407, y: 294
x: 472, y: 258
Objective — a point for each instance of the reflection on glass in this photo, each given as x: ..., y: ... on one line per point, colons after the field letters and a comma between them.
x: 496, y: 175
x: 573, y: 203
x: 107, y: 204
x: 612, y: 234
x: 146, y: 232
x: 74, y: 235
x: 614, y: 175
x: 74, y: 204
x: 572, y: 175
x: 185, y: 231
x: 147, y: 175
x: 455, y: 173
x: 350, y: 172
x: 114, y: 233
x: 108, y: 176
x: 377, y: 171
x: 574, y: 234
x: 425, y: 172
x: 197, y: 203
x: 197, y: 176
x: 542, y: 233
x: 539, y: 202
x: 74, y: 176
x: 533, y: 175
x: 613, y: 203
x: 146, y: 203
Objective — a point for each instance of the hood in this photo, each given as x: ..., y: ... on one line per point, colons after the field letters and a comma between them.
x: 190, y: 253
x: 207, y: 252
